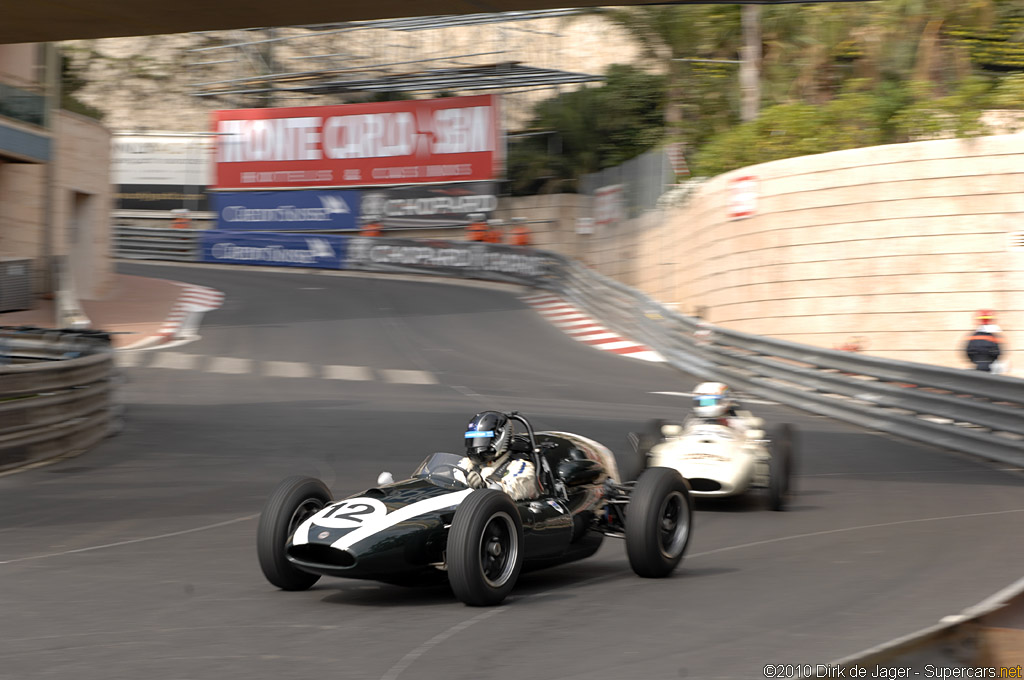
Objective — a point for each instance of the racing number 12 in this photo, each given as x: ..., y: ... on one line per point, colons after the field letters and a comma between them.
x: 351, y: 511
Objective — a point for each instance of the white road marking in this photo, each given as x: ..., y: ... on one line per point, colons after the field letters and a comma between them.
x: 348, y: 373
x: 408, y: 377
x: 826, y: 532
x: 576, y: 322
x: 229, y: 365
x: 128, y: 359
x: 175, y: 360
x: 287, y: 369
x: 395, y: 671
x: 132, y: 541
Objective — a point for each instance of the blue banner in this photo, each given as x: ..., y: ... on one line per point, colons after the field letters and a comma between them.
x: 318, y: 251
x: 324, y: 210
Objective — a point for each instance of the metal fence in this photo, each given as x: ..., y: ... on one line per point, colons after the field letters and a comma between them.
x: 56, y: 393
x: 643, y: 180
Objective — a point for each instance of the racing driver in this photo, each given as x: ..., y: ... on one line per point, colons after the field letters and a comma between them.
x: 713, y: 402
x: 495, y: 458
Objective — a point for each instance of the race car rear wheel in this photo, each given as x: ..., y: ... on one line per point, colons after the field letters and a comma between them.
x: 780, y: 466
x: 484, y: 552
x: 295, y: 500
x: 659, y: 519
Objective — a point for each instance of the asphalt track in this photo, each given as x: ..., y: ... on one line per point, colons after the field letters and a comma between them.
x: 137, y: 559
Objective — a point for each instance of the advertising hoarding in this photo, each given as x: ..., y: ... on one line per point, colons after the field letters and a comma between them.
x: 453, y: 259
x: 422, y: 206
x: 454, y: 139
x: 318, y: 251
x: 161, y: 172
x: 304, y: 210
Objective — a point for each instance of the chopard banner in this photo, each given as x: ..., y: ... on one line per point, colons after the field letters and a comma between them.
x: 382, y: 143
x: 278, y: 250
x: 321, y: 210
x: 411, y: 207
x: 452, y: 258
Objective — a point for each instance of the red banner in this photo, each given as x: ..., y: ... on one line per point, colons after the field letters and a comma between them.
x: 408, y: 142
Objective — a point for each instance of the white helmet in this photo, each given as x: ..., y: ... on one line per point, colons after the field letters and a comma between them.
x: 711, y: 400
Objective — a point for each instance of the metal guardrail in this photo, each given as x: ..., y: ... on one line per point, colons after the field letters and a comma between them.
x: 56, y: 393
x: 154, y: 243
x: 969, y: 411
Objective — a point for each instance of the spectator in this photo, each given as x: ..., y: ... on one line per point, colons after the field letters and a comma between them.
x: 984, y: 346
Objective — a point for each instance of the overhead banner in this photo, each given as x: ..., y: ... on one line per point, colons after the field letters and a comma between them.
x: 319, y: 251
x: 161, y: 172
x: 319, y: 210
x: 412, y: 207
x: 454, y: 139
x: 452, y: 258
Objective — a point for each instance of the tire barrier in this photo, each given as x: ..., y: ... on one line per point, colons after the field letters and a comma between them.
x: 56, y: 393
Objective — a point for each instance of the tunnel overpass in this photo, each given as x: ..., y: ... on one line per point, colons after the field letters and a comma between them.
x: 55, y: 20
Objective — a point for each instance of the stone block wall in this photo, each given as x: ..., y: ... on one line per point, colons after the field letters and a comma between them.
x: 899, y: 244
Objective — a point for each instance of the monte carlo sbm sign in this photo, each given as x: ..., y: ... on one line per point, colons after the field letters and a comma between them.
x: 455, y: 139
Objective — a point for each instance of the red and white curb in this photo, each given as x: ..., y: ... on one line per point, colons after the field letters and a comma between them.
x: 183, y: 321
x: 579, y: 326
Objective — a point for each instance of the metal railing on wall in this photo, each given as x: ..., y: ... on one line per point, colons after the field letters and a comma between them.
x: 56, y: 393
x: 969, y: 411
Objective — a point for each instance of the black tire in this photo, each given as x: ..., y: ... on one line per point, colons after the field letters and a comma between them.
x: 485, y: 548
x: 659, y: 521
x: 295, y: 500
x: 780, y: 466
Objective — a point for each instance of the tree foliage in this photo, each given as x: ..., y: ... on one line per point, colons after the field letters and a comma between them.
x: 586, y: 130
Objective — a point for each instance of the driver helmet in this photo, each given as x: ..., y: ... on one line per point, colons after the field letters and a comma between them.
x: 488, y: 436
x: 712, y: 400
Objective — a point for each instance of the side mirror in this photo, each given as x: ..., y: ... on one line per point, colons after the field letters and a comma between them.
x: 385, y: 478
x: 575, y: 471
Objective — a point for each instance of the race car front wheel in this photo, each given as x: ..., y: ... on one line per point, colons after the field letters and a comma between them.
x: 484, y: 552
x: 295, y: 500
x: 659, y: 519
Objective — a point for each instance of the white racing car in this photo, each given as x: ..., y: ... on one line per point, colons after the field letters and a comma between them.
x: 719, y: 458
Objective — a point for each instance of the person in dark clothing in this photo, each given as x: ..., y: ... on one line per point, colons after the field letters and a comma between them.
x: 983, y: 347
